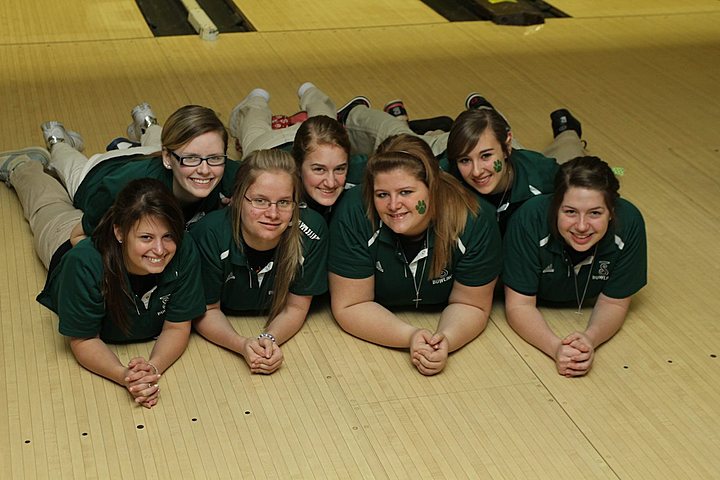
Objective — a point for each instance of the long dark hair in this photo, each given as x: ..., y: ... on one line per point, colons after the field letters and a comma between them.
x: 467, y: 129
x: 584, y: 172
x: 140, y: 198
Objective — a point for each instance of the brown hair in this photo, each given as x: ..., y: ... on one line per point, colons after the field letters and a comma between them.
x: 584, y: 172
x: 189, y: 122
x: 467, y: 129
x: 413, y: 155
x: 319, y: 130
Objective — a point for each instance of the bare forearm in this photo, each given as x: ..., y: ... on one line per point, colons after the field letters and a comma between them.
x: 288, y: 322
x: 461, y: 323
x: 215, y: 326
x: 171, y: 343
x: 94, y: 355
x: 528, y: 322
x: 607, y: 317
x: 374, y: 323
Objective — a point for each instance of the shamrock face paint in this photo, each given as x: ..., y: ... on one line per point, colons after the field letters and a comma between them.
x: 421, y: 207
x: 497, y: 166
x: 401, y: 201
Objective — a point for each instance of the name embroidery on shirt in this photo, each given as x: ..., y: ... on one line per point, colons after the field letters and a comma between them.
x: 308, y: 231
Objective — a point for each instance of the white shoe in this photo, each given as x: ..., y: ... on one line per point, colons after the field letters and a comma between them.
x: 54, y: 132
x: 143, y: 117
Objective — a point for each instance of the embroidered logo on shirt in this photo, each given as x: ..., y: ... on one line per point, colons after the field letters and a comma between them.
x: 443, y: 277
x: 603, y: 270
x: 378, y: 266
x: 549, y: 269
x: 163, y: 301
x: 230, y: 277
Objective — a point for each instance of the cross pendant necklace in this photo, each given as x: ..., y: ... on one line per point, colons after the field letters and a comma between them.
x: 587, y: 283
x: 417, y: 284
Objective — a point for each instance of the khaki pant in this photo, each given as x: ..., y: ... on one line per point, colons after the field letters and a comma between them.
x: 47, y: 208
x: 253, y: 124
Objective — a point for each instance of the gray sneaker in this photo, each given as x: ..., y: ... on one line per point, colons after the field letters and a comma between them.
x: 54, y: 132
x: 10, y: 160
x: 235, y: 115
x: 143, y: 117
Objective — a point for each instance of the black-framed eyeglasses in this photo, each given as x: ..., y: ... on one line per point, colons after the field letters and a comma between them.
x: 264, y: 204
x: 196, y: 160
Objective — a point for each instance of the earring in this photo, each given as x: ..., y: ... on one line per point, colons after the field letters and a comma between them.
x: 120, y: 241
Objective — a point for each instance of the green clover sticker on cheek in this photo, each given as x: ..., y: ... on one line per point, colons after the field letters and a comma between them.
x: 497, y: 166
x: 421, y: 207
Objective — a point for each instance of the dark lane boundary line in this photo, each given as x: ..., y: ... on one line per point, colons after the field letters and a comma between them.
x: 169, y: 17
x: 520, y: 12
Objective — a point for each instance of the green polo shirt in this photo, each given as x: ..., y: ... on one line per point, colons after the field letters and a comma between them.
x: 100, y: 187
x: 74, y: 292
x: 536, y: 265
x: 356, y: 170
x: 227, y: 277
x: 534, y: 175
x: 357, y: 251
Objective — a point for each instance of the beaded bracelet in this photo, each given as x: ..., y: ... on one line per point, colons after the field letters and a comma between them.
x: 267, y: 335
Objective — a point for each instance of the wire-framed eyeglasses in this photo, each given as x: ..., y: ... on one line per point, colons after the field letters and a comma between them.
x: 264, y: 204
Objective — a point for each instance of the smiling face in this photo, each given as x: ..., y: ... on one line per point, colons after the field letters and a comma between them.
x: 323, y: 173
x: 401, y: 201
x: 191, y: 184
x: 262, y: 229
x: 148, y: 247
x: 583, y: 218
x: 485, y: 167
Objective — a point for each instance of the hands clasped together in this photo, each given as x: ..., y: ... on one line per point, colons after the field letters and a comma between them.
x: 262, y: 355
x: 142, y: 382
x: 428, y: 351
x: 574, y: 355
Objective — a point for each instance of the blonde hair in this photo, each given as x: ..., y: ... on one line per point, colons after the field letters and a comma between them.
x: 448, y: 205
x: 288, y: 254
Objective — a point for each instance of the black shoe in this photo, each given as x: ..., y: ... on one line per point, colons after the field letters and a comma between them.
x: 396, y: 108
x: 424, y: 125
x: 344, y: 111
x: 563, y: 120
x: 475, y: 101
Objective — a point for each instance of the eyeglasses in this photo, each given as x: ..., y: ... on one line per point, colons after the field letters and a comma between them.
x: 264, y: 204
x: 196, y: 160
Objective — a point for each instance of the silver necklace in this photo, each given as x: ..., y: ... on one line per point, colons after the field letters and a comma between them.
x: 417, y: 284
x: 587, y: 283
